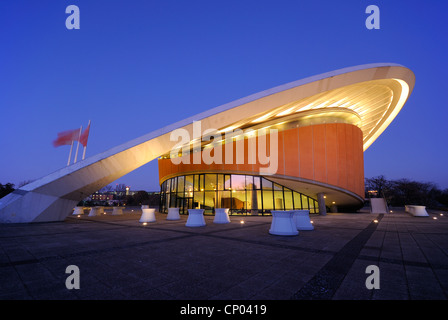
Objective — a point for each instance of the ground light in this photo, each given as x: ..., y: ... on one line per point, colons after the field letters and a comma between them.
x: 376, y: 221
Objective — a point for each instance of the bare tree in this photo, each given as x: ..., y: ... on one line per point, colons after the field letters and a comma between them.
x: 107, y: 188
x: 6, y: 189
x: 120, y: 187
x: 380, y: 184
x: 23, y: 183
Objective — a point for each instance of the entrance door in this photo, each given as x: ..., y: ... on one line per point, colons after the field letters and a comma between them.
x: 184, y: 204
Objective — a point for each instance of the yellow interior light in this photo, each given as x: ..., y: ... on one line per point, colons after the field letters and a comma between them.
x: 264, y: 117
x: 285, y: 112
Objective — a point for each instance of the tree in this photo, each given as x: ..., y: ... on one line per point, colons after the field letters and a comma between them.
x: 23, y: 183
x: 406, y: 191
x: 6, y: 189
x: 379, y: 183
x: 442, y: 197
x: 120, y: 187
x: 141, y: 197
x: 107, y: 188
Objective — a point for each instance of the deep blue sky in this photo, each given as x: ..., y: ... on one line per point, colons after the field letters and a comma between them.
x: 136, y: 66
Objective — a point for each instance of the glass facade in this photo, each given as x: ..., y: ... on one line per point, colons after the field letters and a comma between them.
x: 242, y: 194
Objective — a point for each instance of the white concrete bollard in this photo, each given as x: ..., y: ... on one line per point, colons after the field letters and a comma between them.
x: 302, y: 220
x: 173, y: 214
x: 148, y: 215
x: 416, y: 211
x: 221, y: 215
x: 195, y: 218
x: 117, y: 211
x: 96, y: 211
x: 78, y: 210
x: 283, y: 224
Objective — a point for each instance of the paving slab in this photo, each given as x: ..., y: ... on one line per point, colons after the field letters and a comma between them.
x: 122, y: 259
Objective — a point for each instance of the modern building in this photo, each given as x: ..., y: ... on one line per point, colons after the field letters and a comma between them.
x: 320, y: 127
x: 102, y: 196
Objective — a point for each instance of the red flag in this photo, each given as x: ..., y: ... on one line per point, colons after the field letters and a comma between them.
x: 84, y: 136
x: 66, y: 137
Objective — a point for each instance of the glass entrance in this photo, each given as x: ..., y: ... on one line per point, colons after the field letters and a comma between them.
x: 184, y: 203
x: 242, y: 194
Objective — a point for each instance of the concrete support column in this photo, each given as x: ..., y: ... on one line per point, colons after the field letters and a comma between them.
x: 321, y: 204
x: 254, y: 208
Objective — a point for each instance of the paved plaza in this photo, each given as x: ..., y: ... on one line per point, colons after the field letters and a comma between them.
x: 119, y: 258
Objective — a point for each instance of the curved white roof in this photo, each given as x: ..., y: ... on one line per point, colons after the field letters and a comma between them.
x: 375, y: 92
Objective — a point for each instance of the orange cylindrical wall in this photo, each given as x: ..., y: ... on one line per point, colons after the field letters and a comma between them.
x: 327, y: 153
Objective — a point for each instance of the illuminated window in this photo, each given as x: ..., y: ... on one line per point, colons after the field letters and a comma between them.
x: 240, y: 193
x: 238, y: 182
x: 257, y: 183
x: 210, y: 182
x: 196, y: 182
x: 297, y: 201
x: 180, y: 184
x: 174, y: 185
x: 209, y: 201
x: 220, y: 182
x: 305, y: 205
x: 239, y: 200
x: 189, y: 183
x: 288, y: 199
x: 227, y: 180
x: 249, y: 182
x: 266, y: 184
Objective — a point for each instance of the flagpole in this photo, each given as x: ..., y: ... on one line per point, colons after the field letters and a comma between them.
x: 77, y: 146
x: 85, y: 147
x: 70, y: 154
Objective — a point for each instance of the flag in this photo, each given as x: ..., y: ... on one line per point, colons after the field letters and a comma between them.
x: 66, y: 137
x: 84, y: 136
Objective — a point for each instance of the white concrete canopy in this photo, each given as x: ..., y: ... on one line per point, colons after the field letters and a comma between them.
x: 53, y: 197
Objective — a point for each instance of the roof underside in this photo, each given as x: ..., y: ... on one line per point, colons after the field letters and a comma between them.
x: 375, y: 102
